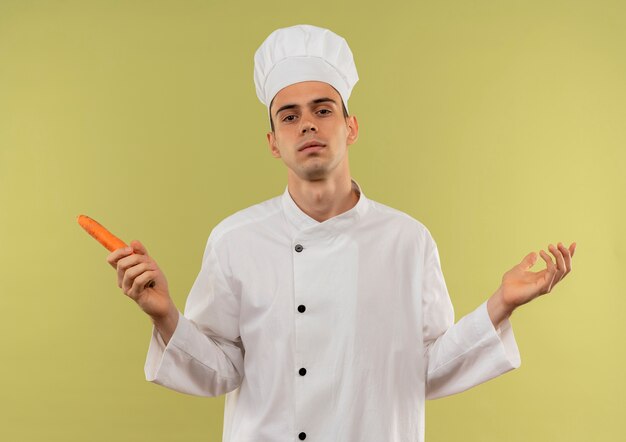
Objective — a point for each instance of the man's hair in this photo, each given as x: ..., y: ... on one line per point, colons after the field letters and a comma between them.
x: 343, y: 107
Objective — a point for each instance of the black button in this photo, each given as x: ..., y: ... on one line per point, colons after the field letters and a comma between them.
x: 301, y: 308
x: 302, y: 436
x: 299, y: 248
x: 302, y: 371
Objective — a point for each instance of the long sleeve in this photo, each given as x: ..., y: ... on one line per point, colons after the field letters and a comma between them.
x: 204, y: 356
x: 462, y: 355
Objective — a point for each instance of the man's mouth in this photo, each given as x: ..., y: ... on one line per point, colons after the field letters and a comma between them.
x: 311, y: 146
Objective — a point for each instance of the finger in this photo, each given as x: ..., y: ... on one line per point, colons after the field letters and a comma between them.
x: 551, y: 270
x: 567, y: 257
x: 548, y: 259
x: 141, y: 283
x: 560, y: 263
x: 528, y: 261
x: 133, y: 273
x: 138, y: 247
x: 131, y: 260
x: 126, y: 263
x: 116, y: 255
x: 572, y: 248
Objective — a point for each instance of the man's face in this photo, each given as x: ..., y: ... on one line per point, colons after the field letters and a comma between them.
x: 311, y: 135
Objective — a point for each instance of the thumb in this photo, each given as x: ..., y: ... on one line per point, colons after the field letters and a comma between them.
x: 529, y: 261
x: 138, y: 247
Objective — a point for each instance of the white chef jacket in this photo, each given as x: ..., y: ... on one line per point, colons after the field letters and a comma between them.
x: 325, y: 331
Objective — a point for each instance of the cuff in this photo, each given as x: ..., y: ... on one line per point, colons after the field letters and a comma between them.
x: 158, y: 358
x: 508, y: 355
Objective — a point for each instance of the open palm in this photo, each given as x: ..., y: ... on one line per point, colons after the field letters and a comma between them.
x: 520, y: 285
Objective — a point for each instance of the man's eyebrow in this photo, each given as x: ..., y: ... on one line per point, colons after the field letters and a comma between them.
x: 323, y: 100
x: 285, y: 107
x: 316, y: 101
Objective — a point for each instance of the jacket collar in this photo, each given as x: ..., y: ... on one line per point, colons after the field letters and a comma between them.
x: 301, y: 222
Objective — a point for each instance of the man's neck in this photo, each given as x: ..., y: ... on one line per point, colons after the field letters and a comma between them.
x: 323, y: 199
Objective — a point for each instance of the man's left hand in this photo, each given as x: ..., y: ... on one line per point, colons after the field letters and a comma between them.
x: 520, y: 285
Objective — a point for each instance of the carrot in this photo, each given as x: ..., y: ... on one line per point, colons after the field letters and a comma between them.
x: 104, y: 237
x: 97, y: 230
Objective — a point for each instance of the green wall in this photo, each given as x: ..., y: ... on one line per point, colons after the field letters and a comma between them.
x: 498, y: 124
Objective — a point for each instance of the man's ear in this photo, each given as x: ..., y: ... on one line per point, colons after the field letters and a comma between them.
x: 353, y: 129
x: 271, y: 142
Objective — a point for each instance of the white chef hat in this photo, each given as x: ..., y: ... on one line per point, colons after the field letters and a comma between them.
x: 303, y: 53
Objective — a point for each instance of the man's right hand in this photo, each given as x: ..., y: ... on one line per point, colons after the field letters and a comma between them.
x: 135, y: 272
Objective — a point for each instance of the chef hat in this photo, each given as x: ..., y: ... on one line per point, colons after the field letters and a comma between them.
x: 303, y: 53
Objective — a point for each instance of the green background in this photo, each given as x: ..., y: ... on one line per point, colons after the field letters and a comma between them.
x: 498, y: 124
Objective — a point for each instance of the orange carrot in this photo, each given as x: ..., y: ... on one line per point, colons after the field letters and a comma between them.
x: 97, y: 230
x: 104, y: 237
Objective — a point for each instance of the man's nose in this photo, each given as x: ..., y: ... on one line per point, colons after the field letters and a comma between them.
x: 308, y: 125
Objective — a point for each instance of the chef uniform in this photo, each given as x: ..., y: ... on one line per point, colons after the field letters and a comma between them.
x: 323, y: 331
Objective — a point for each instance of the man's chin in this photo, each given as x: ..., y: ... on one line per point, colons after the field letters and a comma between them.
x: 314, y: 173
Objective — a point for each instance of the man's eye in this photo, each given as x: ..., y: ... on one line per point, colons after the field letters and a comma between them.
x: 325, y: 111
x: 289, y: 118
